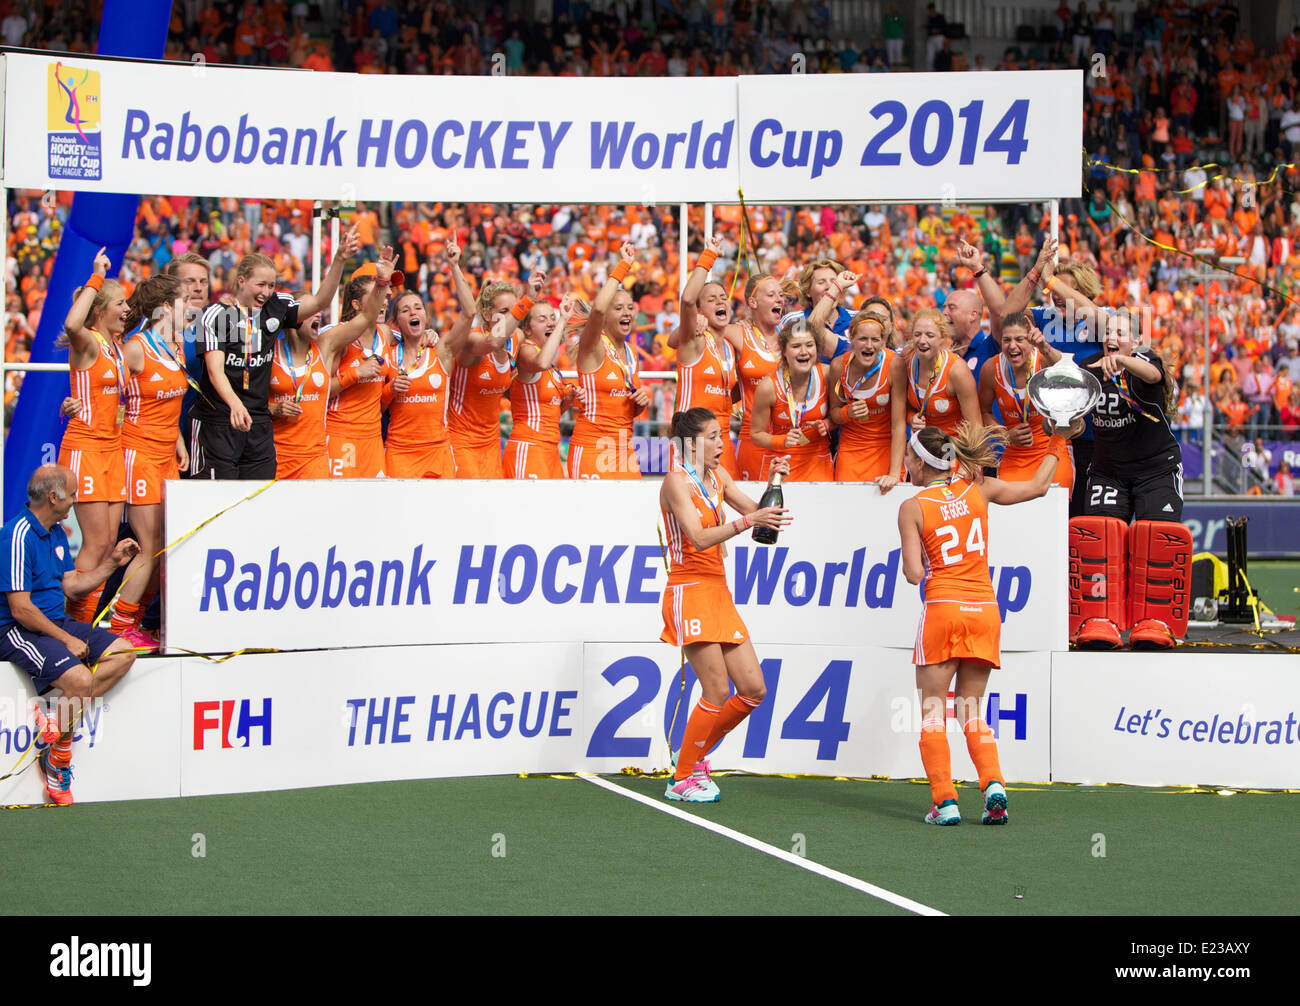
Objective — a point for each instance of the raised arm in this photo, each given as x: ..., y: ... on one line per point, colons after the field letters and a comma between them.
x: 83, y: 347
x: 595, y: 327
x: 481, y: 343
x: 314, y: 302
x: 686, y: 329
x: 1018, y: 298
x: 332, y: 342
x: 1008, y: 493
x: 533, y: 360
x: 1040, y: 343
x: 820, y: 318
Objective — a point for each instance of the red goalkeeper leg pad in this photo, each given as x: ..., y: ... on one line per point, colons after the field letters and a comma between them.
x: 1098, y: 581
x: 1159, y: 595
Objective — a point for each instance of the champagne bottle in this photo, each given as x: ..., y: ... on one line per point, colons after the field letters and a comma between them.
x: 772, y: 496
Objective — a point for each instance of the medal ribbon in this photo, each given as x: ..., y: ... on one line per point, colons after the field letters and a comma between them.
x: 115, y: 352
x: 164, y: 348
x: 1121, y: 383
x: 789, y: 395
x: 1011, y: 384
x: 623, y: 368
x: 915, y: 375
x: 286, y: 361
x: 715, y: 501
x: 847, y: 395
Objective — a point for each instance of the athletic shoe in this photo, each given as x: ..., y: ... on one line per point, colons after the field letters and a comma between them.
x: 995, y: 805
x: 692, y: 789
x: 944, y: 813
x: 140, y: 640
x: 1151, y: 634
x: 702, y: 769
x: 47, y: 729
x: 58, y: 781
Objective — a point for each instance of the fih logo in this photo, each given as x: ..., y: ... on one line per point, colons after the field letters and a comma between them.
x: 219, y: 714
x: 73, y: 117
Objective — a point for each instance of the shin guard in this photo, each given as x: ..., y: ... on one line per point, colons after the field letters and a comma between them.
x: 1098, y: 581
x: 1160, y: 579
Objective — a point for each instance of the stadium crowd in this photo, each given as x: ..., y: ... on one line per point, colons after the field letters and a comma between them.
x: 1184, y: 89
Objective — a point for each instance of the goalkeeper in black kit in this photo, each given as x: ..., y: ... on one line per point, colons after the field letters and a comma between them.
x: 1130, y: 577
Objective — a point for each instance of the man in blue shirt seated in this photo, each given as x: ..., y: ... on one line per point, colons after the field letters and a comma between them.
x: 37, y: 636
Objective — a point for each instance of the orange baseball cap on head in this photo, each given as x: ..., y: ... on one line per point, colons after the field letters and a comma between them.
x: 398, y: 278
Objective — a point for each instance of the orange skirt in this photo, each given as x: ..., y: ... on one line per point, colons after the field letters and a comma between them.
x: 524, y: 460
x: 479, y: 462
x: 701, y: 611
x: 436, y: 462
x: 100, y: 475
x: 316, y: 466
x: 608, y: 458
x: 355, y: 457
x: 861, y: 462
x: 810, y: 463
x: 750, y: 460
x: 959, y: 630
x: 145, y: 475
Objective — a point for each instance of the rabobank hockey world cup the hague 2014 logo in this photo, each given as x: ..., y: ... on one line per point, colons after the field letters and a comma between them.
x: 72, y: 109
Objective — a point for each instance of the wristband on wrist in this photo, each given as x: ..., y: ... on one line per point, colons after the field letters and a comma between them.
x: 839, y: 290
x: 348, y: 377
x: 779, y: 441
x: 96, y: 282
x: 620, y: 271
x: 383, y: 281
x: 1048, y: 285
x: 980, y: 272
x: 1033, y: 276
x: 706, y: 259
x: 522, y: 306
x: 745, y: 518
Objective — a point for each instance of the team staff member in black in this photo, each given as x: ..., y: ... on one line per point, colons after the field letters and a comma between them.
x: 1136, y: 471
x: 230, y: 422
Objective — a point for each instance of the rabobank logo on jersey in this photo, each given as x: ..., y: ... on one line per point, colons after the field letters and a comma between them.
x: 72, y: 108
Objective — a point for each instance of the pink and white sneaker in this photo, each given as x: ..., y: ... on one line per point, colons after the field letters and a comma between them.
x: 140, y: 640
x: 692, y: 789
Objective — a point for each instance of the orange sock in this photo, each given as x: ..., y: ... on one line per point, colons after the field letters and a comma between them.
x: 126, y: 616
x: 983, y: 748
x: 695, y: 739
x: 61, y: 751
x: 86, y: 608
x: 937, y: 760
x: 729, y: 717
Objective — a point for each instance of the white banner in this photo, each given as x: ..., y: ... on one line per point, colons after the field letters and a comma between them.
x: 121, y: 126
x: 939, y: 137
x: 127, y: 746
x: 113, y: 126
x: 1176, y: 719
x: 376, y: 562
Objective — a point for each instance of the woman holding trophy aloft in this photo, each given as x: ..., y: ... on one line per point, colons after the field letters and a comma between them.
x: 1136, y: 474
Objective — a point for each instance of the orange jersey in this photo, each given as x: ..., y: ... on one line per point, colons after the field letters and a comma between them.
x: 608, y: 409
x: 153, y: 400
x: 707, y: 382
x: 756, y: 363
x: 874, y: 390
x: 418, y: 418
x: 307, y: 382
x: 810, y: 462
x: 535, y: 408
x: 475, y: 416
x: 954, y: 535
x: 99, y: 391
x: 685, y: 561
x: 932, y: 394
x: 358, y: 409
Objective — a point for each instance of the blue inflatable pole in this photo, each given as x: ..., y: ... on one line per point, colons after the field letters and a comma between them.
x: 129, y: 28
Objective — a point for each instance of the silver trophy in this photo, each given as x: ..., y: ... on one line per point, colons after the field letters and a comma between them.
x: 1064, y: 391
